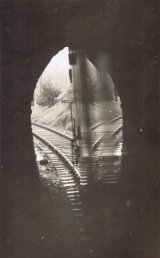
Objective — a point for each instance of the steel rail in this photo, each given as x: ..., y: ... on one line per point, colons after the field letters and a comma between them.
x: 74, y: 171
x: 96, y: 125
x: 102, y: 122
x: 97, y: 142
x: 54, y: 131
x: 117, y: 131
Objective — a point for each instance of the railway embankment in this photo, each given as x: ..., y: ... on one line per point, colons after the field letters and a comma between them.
x: 59, y: 115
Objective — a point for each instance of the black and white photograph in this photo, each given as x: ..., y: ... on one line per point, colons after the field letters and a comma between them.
x: 79, y: 129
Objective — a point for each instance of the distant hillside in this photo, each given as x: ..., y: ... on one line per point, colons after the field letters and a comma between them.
x: 56, y: 74
x: 55, y: 116
x: 59, y: 115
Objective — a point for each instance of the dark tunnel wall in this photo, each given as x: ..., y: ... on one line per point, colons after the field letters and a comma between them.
x: 128, y: 32
x: 25, y: 49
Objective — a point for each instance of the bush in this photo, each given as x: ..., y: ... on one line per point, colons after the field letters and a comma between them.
x: 47, y: 95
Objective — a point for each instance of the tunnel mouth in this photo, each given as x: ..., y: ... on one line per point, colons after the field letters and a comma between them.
x: 80, y: 101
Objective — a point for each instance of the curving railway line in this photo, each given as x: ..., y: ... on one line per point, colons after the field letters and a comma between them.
x: 69, y: 175
x: 107, y: 134
x: 58, y: 147
x: 106, y: 142
x: 106, y: 145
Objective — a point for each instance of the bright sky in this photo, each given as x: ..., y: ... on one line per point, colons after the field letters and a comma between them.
x: 58, y: 70
x: 59, y: 61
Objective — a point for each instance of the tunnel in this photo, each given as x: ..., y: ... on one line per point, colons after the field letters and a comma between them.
x: 127, y: 32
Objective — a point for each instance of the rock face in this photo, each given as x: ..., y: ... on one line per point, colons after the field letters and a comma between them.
x: 127, y: 32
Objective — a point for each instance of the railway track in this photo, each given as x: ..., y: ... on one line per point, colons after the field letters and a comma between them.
x: 107, y: 136
x: 105, y: 143
x: 106, y: 150
x: 61, y: 141
x: 69, y: 175
x: 58, y: 147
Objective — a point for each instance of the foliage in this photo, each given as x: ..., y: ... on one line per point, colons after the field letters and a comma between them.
x: 48, y: 94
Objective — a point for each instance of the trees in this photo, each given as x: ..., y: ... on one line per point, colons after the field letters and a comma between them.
x: 47, y: 94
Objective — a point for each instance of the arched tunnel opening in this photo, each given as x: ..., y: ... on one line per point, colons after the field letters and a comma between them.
x: 83, y: 104
x: 122, y: 220
x: 62, y: 113
x: 66, y: 116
